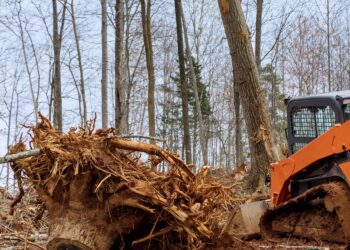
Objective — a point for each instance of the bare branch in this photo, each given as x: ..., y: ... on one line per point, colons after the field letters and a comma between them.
x: 19, y: 156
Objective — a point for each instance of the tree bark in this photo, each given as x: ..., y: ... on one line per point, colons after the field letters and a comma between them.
x: 81, y: 70
x: 104, y: 93
x: 147, y: 37
x: 130, y: 76
x: 202, y: 137
x: 20, y: 155
x: 328, y: 48
x: 184, y: 95
x: 119, y: 37
x: 262, y: 141
x: 258, y: 25
x: 57, y: 39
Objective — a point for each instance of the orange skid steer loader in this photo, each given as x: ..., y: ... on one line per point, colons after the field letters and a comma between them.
x: 310, y: 195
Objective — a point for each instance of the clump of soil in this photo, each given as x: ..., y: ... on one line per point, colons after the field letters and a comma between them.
x: 100, y: 194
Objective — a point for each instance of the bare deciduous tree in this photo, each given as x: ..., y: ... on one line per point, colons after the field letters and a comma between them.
x: 147, y: 38
x: 119, y: 37
x: 56, y: 84
x: 196, y: 95
x: 184, y: 95
x: 81, y: 69
x: 258, y: 25
x: 104, y: 79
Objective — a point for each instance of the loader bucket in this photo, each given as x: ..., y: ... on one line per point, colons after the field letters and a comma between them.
x: 245, y: 221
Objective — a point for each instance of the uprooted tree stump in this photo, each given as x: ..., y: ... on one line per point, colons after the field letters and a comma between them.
x: 100, y: 194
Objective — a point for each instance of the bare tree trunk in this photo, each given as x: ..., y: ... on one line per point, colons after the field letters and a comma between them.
x: 238, y: 124
x: 104, y: 93
x: 328, y: 49
x: 184, y: 95
x: 124, y: 77
x: 119, y: 36
x: 147, y: 37
x: 51, y: 83
x: 130, y: 76
x: 264, y: 148
x: 57, y: 39
x: 258, y: 24
x: 202, y: 137
x: 81, y: 71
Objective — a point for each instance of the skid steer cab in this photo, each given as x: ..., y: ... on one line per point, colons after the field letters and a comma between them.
x: 310, y: 195
x: 318, y: 136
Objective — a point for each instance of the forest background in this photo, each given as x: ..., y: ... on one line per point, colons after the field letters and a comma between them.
x: 304, y: 49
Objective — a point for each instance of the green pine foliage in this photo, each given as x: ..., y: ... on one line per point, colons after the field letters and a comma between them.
x: 271, y: 83
x: 172, y: 115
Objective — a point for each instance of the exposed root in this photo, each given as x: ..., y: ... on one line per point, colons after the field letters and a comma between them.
x: 98, y: 191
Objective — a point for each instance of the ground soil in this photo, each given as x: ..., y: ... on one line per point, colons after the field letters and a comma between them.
x: 14, y: 238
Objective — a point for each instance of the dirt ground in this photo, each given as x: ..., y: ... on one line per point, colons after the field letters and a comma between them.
x: 34, y: 240
x: 14, y: 243
x: 17, y: 233
x: 294, y: 243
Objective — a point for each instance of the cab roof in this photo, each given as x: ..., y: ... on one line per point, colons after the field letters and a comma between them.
x: 336, y: 95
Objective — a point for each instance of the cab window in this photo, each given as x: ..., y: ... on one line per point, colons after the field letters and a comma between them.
x: 346, y: 109
x: 311, y: 122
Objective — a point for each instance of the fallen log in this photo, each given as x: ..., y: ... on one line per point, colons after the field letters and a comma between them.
x: 99, y: 193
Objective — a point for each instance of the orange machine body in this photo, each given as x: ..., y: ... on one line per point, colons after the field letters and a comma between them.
x: 334, y: 141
